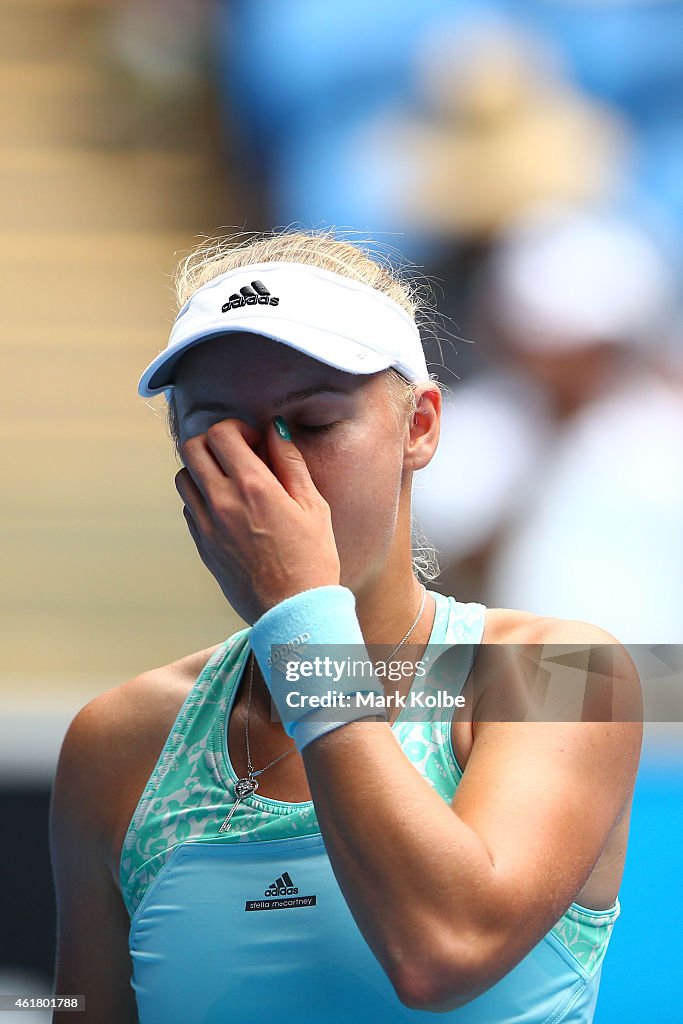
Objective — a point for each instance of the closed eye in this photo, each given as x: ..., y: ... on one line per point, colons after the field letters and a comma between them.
x: 319, y: 428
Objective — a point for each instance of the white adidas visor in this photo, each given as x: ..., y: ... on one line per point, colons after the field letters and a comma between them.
x: 340, y: 322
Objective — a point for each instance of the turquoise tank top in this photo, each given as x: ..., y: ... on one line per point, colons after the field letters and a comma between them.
x: 251, y: 924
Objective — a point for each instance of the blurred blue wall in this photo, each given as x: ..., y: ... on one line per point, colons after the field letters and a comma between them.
x: 642, y: 968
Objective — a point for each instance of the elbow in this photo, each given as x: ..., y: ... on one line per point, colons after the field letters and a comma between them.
x: 440, y: 982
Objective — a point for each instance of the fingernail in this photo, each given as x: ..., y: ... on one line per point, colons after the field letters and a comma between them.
x: 282, y: 428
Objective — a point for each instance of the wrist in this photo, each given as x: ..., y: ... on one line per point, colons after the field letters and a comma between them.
x: 294, y: 590
x: 308, y: 648
x: 323, y: 614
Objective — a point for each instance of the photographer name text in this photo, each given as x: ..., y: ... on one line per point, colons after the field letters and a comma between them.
x: 371, y: 700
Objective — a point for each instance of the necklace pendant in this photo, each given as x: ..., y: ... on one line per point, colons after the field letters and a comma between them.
x: 243, y: 787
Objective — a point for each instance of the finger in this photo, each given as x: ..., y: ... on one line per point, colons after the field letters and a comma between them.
x: 192, y: 527
x: 232, y: 443
x: 193, y: 500
x: 200, y: 463
x: 196, y: 537
x: 289, y: 464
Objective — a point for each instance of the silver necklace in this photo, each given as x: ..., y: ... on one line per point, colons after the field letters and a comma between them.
x: 248, y: 785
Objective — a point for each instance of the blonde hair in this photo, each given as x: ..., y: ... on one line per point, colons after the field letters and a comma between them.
x: 322, y: 248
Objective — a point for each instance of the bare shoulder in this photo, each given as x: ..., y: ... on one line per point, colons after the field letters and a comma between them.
x: 128, y: 711
x: 602, y: 652
x: 523, y: 651
x: 146, y: 694
x: 510, y: 625
x: 114, y: 741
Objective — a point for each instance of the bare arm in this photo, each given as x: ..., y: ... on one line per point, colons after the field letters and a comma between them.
x: 500, y: 866
x: 92, y: 921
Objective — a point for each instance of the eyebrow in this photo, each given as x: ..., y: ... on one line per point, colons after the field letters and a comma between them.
x: 290, y: 396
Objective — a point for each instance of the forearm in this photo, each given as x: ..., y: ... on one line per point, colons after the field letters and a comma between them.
x: 415, y: 877
x: 417, y: 880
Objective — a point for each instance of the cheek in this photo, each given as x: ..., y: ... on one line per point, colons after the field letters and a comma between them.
x: 361, y: 483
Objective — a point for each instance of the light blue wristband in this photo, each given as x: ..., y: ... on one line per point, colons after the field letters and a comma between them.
x: 322, y: 618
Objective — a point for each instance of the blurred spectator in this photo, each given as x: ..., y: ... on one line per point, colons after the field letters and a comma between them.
x: 556, y: 487
x: 432, y: 124
x: 426, y: 119
x: 500, y: 129
x: 299, y: 81
x: 628, y: 53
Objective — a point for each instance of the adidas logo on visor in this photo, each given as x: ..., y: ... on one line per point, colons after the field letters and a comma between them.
x: 255, y: 295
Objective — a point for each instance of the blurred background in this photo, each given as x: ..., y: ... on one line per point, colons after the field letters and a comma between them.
x: 528, y: 158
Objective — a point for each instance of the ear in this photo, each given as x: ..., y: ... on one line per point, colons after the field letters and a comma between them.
x: 424, y: 427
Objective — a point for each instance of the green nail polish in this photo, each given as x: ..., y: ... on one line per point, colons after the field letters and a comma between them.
x: 282, y: 428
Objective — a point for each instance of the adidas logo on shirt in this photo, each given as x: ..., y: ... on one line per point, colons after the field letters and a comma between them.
x: 281, y: 887
x: 256, y: 295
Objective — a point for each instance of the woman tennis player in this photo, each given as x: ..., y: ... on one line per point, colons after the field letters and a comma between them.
x: 227, y: 846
